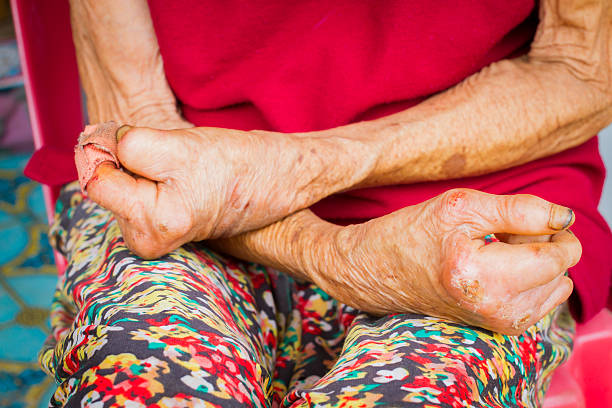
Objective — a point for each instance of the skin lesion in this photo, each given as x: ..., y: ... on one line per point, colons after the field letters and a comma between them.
x: 471, y: 289
x: 518, y: 324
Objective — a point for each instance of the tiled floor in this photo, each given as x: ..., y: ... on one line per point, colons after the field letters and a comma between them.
x: 27, y: 280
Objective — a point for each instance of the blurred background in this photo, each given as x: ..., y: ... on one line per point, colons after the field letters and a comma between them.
x: 27, y: 272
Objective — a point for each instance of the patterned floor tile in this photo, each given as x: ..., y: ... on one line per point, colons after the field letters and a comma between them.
x: 27, y: 281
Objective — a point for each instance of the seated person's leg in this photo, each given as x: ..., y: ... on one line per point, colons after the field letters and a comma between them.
x: 414, y: 360
x: 191, y: 326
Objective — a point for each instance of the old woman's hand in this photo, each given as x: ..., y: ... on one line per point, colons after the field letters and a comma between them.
x: 431, y: 258
x: 202, y: 183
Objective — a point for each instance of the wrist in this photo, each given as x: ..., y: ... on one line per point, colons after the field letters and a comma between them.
x: 316, y: 251
x: 299, y: 245
x: 328, y: 263
x: 155, y: 109
x: 151, y: 110
x: 302, y: 245
x: 337, y: 159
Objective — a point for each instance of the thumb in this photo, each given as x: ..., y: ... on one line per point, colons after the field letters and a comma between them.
x: 516, y: 214
x: 119, y: 192
x: 525, y: 214
x: 146, y: 152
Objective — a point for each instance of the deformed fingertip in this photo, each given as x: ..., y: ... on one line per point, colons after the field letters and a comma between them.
x: 122, y: 131
x: 560, y: 217
x: 564, y: 290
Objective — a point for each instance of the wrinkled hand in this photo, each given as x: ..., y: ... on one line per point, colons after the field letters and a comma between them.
x: 431, y: 258
x: 199, y: 183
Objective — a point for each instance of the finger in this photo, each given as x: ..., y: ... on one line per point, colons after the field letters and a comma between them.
x: 523, y: 239
x: 147, y: 152
x: 117, y: 191
x: 527, y: 266
x: 532, y: 306
x: 561, y: 293
x: 522, y: 214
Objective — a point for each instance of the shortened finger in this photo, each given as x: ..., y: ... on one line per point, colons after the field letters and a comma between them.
x: 561, y: 293
x: 537, y: 303
x: 533, y: 264
x: 117, y: 191
x: 529, y: 306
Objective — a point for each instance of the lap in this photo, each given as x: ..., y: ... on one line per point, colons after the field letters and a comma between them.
x: 195, y: 326
x: 161, y: 326
x: 415, y: 360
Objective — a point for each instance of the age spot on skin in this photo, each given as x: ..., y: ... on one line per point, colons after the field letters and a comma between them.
x: 454, y: 165
x: 535, y: 249
x: 162, y: 228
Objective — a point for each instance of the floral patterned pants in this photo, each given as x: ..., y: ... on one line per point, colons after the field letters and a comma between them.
x: 197, y: 329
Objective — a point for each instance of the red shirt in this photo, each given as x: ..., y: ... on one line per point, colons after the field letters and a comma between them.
x: 307, y: 65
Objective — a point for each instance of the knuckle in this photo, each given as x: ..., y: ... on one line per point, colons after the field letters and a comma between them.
x: 142, y: 244
x: 517, y: 205
x: 548, y: 256
x: 453, y: 202
x: 538, y: 250
x: 489, y: 311
x: 513, y: 206
x: 509, y: 205
x: 167, y: 229
x: 464, y: 283
x: 520, y: 326
x: 151, y: 238
x: 185, y: 224
x: 130, y: 143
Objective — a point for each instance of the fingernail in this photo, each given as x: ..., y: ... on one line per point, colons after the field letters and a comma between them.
x: 560, y: 217
x: 121, y: 132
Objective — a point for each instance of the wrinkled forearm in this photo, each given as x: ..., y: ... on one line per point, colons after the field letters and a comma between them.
x: 509, y: 113
x: 482, y: 126
x: 120, y: 65
x: 512, y: 112
x: 295, y: 245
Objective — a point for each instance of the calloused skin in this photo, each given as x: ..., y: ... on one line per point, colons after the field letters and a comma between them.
x: 249, y: 190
